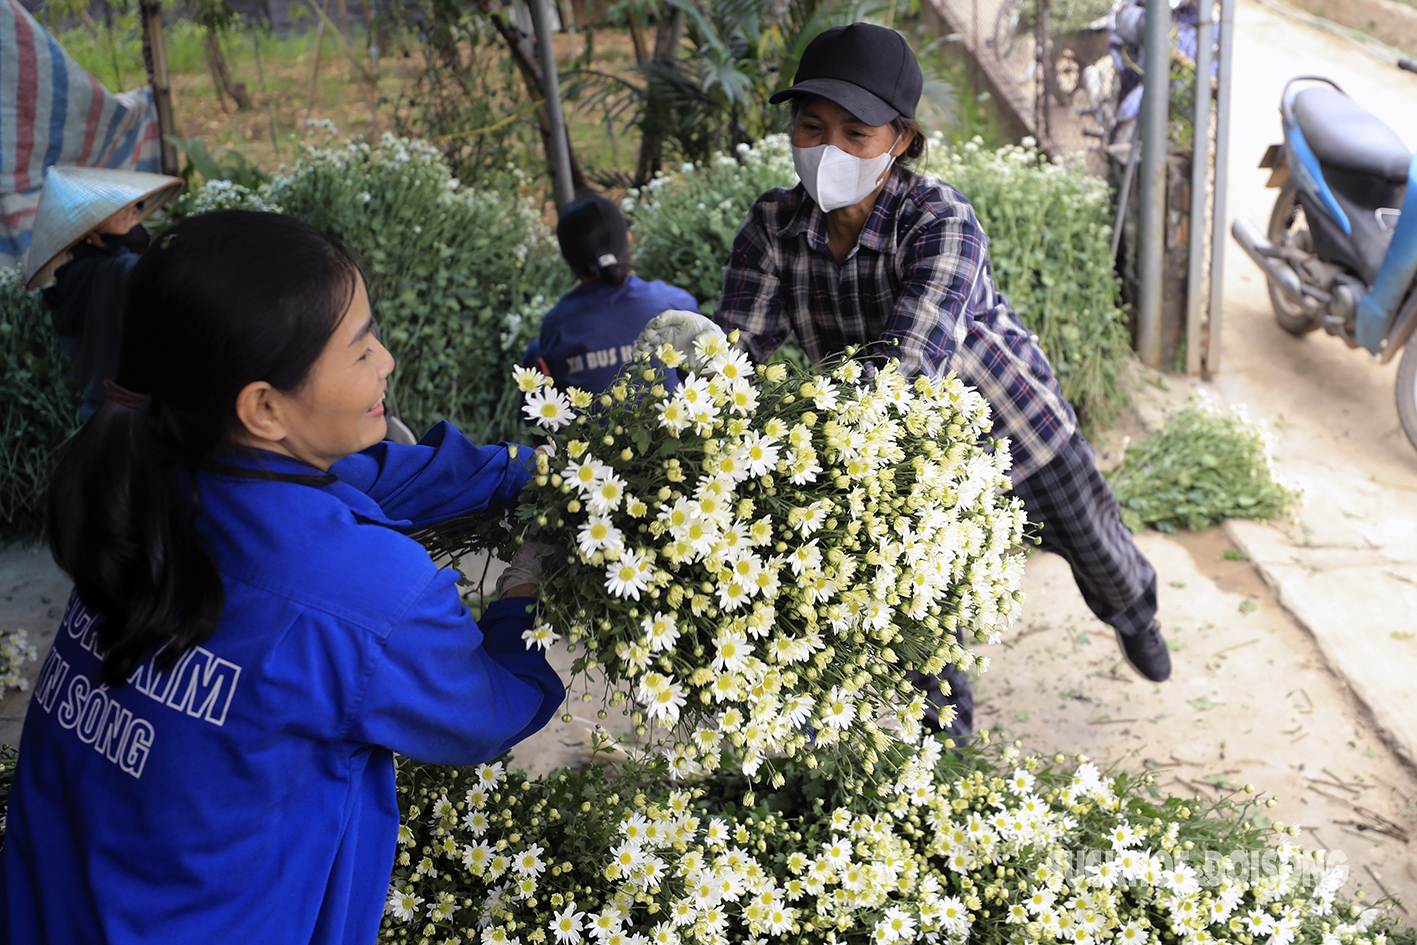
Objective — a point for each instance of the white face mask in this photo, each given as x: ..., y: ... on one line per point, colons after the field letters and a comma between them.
x: 836, y: 179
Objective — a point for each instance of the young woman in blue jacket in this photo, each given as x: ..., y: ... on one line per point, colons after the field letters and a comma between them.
x: 209, y: 751
x: 591, y: 331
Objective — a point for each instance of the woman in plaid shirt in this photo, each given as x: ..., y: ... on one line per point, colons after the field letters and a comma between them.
x: 866, y: 252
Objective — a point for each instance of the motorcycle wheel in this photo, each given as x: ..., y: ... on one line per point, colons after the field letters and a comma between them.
x: 1407, y: 392
x: 1288, y: 227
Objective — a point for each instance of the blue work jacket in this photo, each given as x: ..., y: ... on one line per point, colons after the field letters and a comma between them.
x: 247, y: 793
x: 591, y: 332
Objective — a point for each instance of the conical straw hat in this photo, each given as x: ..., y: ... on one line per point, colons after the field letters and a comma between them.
x: 77, y: 199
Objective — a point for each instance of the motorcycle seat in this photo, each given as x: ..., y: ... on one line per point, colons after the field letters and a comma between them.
x: 1345, y: 135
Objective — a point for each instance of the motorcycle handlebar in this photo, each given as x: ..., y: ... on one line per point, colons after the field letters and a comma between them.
x: 1407, y: 64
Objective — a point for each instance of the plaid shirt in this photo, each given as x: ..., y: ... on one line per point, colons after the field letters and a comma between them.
x: 919, y: 275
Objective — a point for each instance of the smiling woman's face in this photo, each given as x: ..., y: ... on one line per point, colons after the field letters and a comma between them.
x: 339, y: 409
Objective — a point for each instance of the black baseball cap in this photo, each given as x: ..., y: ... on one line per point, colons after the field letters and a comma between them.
x: 866, y: 69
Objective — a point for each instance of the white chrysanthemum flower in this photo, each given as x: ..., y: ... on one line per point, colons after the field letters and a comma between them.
x: 731, y: 365
x: 489, y: 775
x: 628, y: 576
x: 529, y: 861
x: 567, y: 925
x: 824, y: 393
x: 837, y: 851
x: 806, y: 557
x: 529, y: 379
x: 711, y: 346
x: 403, y: 905
x: 627, y: 856
x: 662, y: 697
x: 661, y: 631
x: 1132, y: 934
x: 548, y: 408
x: 731, y: 652
x: 598, y: 533
x: 810, y: 518
x: 668, y: 355
x: 606, y: 922
x: 896, y: 925
x: 694, y: 391
x: 476, y: 857
x: 954, y: 918
x: 704, y: 414
x: 762, y: 454
x: 838, y: 711
x: 476, y: 822
x: 733, y: 594
x: 1122, y: 837
x: 798, y: 709
x: 742, y: 398
x: 586, y: 474
x: 674, y: 415
x: 731, y: 466
x: 606, y: 495
x: 803, y: 466
x: 541, y: 635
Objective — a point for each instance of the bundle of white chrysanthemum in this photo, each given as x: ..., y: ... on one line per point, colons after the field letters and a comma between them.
x: 757, y: 556
x: 975, y: 846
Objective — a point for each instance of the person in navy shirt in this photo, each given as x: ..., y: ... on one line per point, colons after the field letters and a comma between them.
x: 209, y: 751
x: 591, y: 332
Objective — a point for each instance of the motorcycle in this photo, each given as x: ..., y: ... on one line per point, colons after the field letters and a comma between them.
x: 1341, y: 249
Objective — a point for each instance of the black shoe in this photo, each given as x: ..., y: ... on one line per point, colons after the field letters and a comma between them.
x: 1146, y: 652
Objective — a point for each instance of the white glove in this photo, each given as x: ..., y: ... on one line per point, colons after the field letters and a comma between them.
x: 678, y: 329
x: 524, y: 568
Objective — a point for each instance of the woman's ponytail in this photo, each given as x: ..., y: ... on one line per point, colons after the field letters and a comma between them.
x: 121, y: 527
x: 611, y: 270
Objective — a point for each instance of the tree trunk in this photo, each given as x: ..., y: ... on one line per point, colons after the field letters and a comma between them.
x: 525, y: 58
x: 666, y: 49
x: 155, y: 60
x: 637, y: 36
x: 222, y: 77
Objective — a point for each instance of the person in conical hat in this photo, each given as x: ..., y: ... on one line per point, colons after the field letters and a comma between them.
x: 87, y: 236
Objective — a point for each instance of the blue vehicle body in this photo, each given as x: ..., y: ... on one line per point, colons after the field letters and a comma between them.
x: 1378, y: 308
x: 1340, y: 252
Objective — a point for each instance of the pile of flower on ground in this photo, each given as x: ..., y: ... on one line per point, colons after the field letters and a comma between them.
x: 759, y: 555
x: 979, y: 846
x: 1205, y: 466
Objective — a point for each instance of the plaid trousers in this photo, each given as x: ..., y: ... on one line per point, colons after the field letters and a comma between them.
x: 1077, y: 516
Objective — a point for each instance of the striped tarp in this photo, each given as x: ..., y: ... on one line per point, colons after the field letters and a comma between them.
x: 53, y: 112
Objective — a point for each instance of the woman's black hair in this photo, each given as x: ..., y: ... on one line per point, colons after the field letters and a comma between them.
x: 899, y: 126
x: 595, y: 240
x: 221, y: 300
